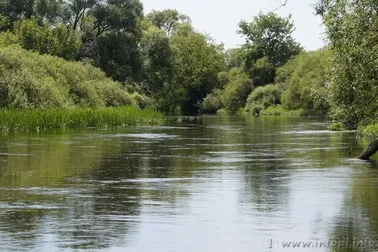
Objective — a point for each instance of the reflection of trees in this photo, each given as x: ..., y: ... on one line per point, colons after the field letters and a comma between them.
x: 109, y: 211
x: 358, y: 218
x: 265, y: 188
x: 35, y: 190
x: 279, y: 148
x: 100, y: 186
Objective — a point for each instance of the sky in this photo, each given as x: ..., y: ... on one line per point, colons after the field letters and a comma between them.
x: 220, y: 18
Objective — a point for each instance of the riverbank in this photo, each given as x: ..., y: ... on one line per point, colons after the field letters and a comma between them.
x: 369, y: 131
x: 60, y: 118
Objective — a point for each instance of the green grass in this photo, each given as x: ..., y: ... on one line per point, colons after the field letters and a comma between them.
x: 278, y: 110
x: 369, y: 131
x: 336, y: 127
x: 60, y: 118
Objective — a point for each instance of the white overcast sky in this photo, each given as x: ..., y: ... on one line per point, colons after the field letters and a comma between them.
x: 220, y: 18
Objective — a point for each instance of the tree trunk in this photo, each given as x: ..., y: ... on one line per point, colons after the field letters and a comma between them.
x: 369, y: 151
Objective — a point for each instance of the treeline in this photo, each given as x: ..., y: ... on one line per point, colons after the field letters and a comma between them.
x: 161, y: 56
x: 271, y: 73
x: 339, y: 81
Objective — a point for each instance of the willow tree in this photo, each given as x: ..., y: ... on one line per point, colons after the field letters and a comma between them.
x: 352, y: 30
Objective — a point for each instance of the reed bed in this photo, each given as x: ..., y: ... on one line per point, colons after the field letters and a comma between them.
x: 60, y: 118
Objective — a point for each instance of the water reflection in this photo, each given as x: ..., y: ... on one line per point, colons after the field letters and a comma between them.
x: 196, y: 184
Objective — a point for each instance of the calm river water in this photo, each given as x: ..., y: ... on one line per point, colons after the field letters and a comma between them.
x: 197, y: 184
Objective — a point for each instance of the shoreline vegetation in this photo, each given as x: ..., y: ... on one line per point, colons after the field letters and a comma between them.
x: 94, y: 55
x: 69, y: 118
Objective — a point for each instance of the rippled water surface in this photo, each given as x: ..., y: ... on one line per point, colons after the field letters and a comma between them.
x: 197, y: 184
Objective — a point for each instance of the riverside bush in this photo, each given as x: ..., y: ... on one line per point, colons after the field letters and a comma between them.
x: 30, y: 80
x: 263, y: 97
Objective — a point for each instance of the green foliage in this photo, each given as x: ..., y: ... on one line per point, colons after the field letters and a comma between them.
x: 47, y: 10
x: 211, y: 104
x: 198, y: 61
x: 278, y: 110
x: 8, y: 38
x: 351, y: 28
x: 167, y: 20
x: 158, y: 59
x: 262, y: 72
x: 15, y: 10
x: 140, y: 100
x: 263, y: 97
x: 270, y: 35
x: 111, y: 40
x: 58, y: 41
x: 234, y: 58
x: 222, y: 112
x: 118, y: 55
x: 369, y: 131
x: 34, y: 81
x: 336, y: 127
x: 42, y: 119
x: 305, y: 83
x: 269, y: 44
x: 235, y: 93
x: 4, y: 22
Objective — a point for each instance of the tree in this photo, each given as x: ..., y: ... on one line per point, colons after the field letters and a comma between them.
x: 111, y: 37
x: 15, y: 10
x: 305, y: 83
x: 58, y: 41
x: 234, y: 58
x: 268, y: 36
x: 352, y: 31
x: 73, y: 12
x: 47, y: 10
x: 118, y: 55
x: 198, y: 61
x: 168, y: 20
x: 235, y: 93
x: 157, y: 54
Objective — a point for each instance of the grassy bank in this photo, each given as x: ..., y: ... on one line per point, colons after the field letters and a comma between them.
x: 369, y: 131
x: 59, y: 118
x: 30, y: 80
x: 278, y: 110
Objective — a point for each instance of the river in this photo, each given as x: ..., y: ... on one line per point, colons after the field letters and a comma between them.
x: 196, y: 184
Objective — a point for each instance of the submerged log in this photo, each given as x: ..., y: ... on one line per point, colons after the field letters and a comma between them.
x: 369, y: 151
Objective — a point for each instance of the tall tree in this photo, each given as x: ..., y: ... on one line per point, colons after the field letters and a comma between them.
x: 168, y: 20
x: 158, y: 59
x: 74, y: 11
x: 15, y: 10
x: 352, y: 30
x: 111, y: 38
x: 268, y: 36
x: 198, y: 62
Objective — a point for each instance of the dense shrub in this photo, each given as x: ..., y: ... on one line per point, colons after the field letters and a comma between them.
x: 141, y: 101
x: 263, y: 97
x: 278, y: 110
x: 211, y: 104
x: 235, y: 93
x: 305, y: 83
x: 336, y: 127
x: 57, y: 41
x: 30, y: 80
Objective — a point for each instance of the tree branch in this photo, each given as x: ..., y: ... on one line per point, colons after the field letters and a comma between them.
x: 280, y: 5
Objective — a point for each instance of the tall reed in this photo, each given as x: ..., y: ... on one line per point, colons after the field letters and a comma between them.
x: 58, y: 118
